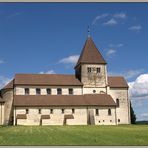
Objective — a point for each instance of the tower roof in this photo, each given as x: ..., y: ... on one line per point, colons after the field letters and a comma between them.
x: 90, y: 54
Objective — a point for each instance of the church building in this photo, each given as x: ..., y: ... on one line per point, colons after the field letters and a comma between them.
x: 88, y: 97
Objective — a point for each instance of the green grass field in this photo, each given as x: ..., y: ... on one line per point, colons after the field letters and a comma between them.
x: 74, y: 135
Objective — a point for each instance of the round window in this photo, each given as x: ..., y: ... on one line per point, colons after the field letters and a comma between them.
x: 94, y: 91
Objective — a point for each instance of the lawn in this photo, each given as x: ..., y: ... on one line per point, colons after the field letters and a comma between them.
x: 74, y: 135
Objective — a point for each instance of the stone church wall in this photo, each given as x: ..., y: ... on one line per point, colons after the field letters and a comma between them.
x: 93, y: 79
x: 8, y: 106
x: 123, y: 110
x: 1, y: 113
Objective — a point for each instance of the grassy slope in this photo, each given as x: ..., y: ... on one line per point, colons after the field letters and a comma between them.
x: 74, y: 135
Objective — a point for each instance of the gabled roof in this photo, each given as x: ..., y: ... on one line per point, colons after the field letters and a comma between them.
x: 64, y: 100
x: 117, y: 82
x: 9, y: 85
x: 59, y: 80
x: 47, y: 79
x: 90, y: 54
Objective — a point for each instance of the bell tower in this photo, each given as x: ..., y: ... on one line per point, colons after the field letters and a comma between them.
x: 91, y: 66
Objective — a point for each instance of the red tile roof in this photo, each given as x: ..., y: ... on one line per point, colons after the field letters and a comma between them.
x: 9, y: 85
x: 47, y: 79
x: 117, y: 82
x: 90, y: 54
x: 64, y: 100
x: 59, y: 80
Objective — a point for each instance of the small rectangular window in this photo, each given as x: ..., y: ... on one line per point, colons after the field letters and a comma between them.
x: 27, y: 111
x: 51, y: 111
x: 48, y: 91
x: 26, y: 91
x: 38, y: 91
x: 73, y: 110
x: 62, y: 111
x: 109, y: 112
x: 89, y: 69
x: 39, y: 111
x: 98, y: 70
x: 70, y: 91
x: 59, y: 91
x: 97, y: 112
x: 117, y: 102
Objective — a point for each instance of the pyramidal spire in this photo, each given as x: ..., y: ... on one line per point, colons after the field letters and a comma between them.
x: 90, y: 54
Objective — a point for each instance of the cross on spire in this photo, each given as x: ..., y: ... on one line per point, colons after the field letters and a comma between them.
x: 88, y: 31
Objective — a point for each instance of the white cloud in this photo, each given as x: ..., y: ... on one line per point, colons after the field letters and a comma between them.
x: 139, y: 87
x: 3, y: 81
x: 128, y: 74
x: 110, y: 52
x: 70, y: 60
x: 120, y: 45
x: 112, y: 18
x: 110, y: 22
x: 132, y: 73
x: 120, y: 15
x: 116, y: 45
x: 1, y: 61
x: 99, y: 17
x: 135, y: 28
x: 48, y: 72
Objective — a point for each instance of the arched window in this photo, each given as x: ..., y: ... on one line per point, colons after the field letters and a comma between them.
x: 26, y: 91
x: 109, y: 112
x: 62, y: 111
x: 89, y: 69
x: 51, y: 111
x: 117, y: 102
x: 59, y: 91
x: 70, y: 91
x: 97, y: 112
x: 73, y: 110
x: 48, y: 91
x: 98, y: 70
x: 27, y: 111
x: 38, y: 91
x: 39, y: 111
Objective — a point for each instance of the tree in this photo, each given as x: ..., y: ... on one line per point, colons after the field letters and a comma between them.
x: 133, y: 116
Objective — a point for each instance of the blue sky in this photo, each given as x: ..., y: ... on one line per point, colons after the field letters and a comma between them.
x: 48, y: 38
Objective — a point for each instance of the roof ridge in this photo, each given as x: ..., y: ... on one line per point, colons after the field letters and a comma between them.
x: 42, y: 74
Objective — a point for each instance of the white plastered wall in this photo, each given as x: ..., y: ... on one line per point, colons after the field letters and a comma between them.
x: 123, y: 110
x: 20, y: 90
